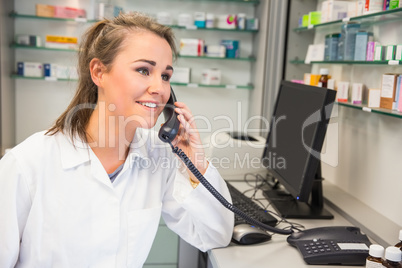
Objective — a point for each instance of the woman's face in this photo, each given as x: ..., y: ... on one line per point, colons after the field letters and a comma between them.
x: 137, y: 86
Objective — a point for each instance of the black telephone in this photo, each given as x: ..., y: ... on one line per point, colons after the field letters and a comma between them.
x: 170, y: 128
x: 168, y: 132
x: 339, y: 245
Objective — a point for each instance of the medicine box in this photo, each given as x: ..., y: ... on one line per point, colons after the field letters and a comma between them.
x: 28, y: 40
x: 108, y: 11
x: 362, y: 39
x: 357, y: 93
x: 59, y: 11
x: 343, y: 92
x: 191, y: 47
x: 181, y: 75
x: 226, y: 21
x: 252, y: 23
x: 379, y: 52
x: 398, y: 52
x: 356, y: 8
x: 211, y: 76
x: 388, y: 90
x: 334, y: 10
x: 314, y: 17
x: 390, y: 52
x: 232, y: 48
x: 63, y: 42
x: 374, y: 97
x: 199, y: 19
x: 215, y: 51
x: 31, y: 69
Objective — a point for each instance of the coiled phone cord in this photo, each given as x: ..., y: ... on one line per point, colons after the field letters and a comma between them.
x: 186, y: 160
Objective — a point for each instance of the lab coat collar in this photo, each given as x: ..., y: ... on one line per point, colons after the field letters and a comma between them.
x: 75, y: 152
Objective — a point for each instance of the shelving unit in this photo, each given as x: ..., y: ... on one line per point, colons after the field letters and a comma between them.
x: 378, y: 19
x: 366, y: 20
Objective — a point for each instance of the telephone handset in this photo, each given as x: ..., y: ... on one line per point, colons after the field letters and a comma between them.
x: 168, y: 132
x: 170, y: 128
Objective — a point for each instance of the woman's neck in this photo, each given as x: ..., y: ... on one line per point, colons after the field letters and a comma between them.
x: 109, y: 141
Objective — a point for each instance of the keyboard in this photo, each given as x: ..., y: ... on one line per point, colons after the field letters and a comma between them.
x: 249, y: 207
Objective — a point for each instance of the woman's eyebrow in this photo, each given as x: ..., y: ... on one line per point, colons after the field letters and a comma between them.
x: 153, y: 63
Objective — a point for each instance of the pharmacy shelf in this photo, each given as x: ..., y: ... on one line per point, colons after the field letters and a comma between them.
x: 383, y: 62
x: 193, y: 85
x: 18, y: 46
x: 371, y: 110
x: 84, y: 20
x: 366, y: 20
x: 24, y: 16
x: 251, y: 59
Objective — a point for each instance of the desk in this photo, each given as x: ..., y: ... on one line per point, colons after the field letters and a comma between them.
x: 274, y: 253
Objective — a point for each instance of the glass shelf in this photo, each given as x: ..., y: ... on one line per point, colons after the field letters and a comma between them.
x: 256, y: 2
x: 42, y: 48
x: 383, y: 62
x: 366, y: 20
x: 18, y: 46
x: 217, y: 58
x: 23, y: 16
x: 194, y: 85
x: 192, y: 28
x: 371, y: 110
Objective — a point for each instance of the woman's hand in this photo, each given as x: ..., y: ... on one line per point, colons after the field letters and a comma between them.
x: 188, y: 139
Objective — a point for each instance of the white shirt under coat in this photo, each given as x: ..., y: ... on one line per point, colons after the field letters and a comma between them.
x: 58, y: 207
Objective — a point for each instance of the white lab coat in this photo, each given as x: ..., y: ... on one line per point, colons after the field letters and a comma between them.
x: 58, y: 207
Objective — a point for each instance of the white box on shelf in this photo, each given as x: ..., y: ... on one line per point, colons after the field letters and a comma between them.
x: 191, y: 47
x: 334, y: 10
x: 181, y: 75
x: 32, y: 69
x: 211, y: 76
x: 374, y: 98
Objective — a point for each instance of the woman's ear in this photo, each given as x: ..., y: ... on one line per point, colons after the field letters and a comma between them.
x: 97, y: 70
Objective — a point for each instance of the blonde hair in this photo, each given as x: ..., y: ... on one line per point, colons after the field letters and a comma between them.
x: 102, y: 41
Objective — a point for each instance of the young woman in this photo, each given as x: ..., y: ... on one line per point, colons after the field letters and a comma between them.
x: 89, y: 192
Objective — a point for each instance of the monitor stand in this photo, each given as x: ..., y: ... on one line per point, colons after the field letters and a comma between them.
x: 290, y: 208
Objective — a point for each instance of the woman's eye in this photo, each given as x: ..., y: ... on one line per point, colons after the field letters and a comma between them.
x: 165, y: 77
x: 143, y: 71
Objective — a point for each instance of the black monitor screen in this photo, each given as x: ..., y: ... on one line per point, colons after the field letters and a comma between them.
x: 296, y: 136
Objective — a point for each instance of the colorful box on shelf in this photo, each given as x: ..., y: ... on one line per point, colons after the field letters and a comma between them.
x: 59, y: 12
x: 199, y: 19
x: 191, y: 47
x: 31, y: 69
x: 226, y: 22
x: 373, y: 6
x: 232, y: 48
x: 357, y: 93
x: 62, y: 42
x: 388, y: 90
x: 314, y: 17
x: 343, y: 92
x: 28, y: 40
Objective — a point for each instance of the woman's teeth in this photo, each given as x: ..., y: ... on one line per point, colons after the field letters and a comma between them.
x: 148, y: 104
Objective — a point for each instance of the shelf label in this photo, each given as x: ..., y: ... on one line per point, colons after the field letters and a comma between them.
x: 366, y: 109
x: 50, y: 78
x: 346, y: 19
x: 393, y: 62
x: 231, y: 86
x: 80, y: 19
x: 192, y: 85
x: 311, y: 26
x: 191, y: 27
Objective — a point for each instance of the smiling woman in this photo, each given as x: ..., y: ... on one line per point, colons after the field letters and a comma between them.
x: 80, y: 194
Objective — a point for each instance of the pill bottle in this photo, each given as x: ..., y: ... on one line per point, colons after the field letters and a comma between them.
x: 399, y: 244
x: 393, y: 257
x: 323, y: 82
x: 374, y: 260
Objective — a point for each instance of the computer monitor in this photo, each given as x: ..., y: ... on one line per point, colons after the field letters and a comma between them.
x: 292, y: 152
